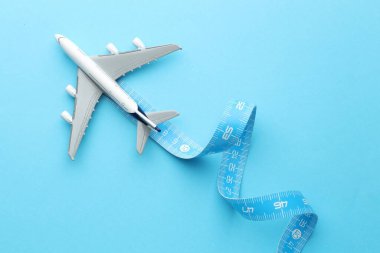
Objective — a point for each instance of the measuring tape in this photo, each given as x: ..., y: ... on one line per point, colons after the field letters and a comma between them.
x: 232, y: 137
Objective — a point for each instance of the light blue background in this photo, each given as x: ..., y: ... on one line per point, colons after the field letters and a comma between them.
x: 312, y: 67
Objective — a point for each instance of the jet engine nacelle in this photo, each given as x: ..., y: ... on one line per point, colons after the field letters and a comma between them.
x: 67, y: 117
x: 112, y: 48
x: 138, y: 43
x: 71, y: 90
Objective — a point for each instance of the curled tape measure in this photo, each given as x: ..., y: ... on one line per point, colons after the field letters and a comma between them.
x: 232, y: 137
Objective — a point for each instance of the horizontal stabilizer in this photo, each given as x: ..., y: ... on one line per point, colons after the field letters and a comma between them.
x: 143, y: 131
x: 159, y: 117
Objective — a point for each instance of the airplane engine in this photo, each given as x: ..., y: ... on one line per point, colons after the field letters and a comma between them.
x: 112, y: 48
x: 71, y: 90
x: 67, y: 117
x: 138, y: 43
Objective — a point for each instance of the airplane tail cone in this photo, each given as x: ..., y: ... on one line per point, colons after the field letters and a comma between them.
x: 143, y: 131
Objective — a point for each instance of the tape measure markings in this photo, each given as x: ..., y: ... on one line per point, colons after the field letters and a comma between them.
x: 232, y: 137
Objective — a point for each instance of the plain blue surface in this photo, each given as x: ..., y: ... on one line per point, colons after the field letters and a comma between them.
x: 311, y: 67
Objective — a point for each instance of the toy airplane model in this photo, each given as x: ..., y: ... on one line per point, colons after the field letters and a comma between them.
x: 97, y: 75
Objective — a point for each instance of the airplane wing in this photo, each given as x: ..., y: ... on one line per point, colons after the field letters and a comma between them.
x: 85, y: 100
x: 117, y: 65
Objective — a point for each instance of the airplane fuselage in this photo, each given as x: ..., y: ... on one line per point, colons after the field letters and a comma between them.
x: 107, y: 84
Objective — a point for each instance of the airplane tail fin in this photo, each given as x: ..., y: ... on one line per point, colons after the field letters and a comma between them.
x: 143, y: 131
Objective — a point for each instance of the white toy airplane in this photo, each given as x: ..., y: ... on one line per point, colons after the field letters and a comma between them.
x: 97, y: 75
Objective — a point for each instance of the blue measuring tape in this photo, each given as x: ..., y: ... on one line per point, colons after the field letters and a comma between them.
x: 233, y: 138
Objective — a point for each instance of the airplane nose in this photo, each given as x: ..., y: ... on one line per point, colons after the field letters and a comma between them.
x: 58, y: 36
